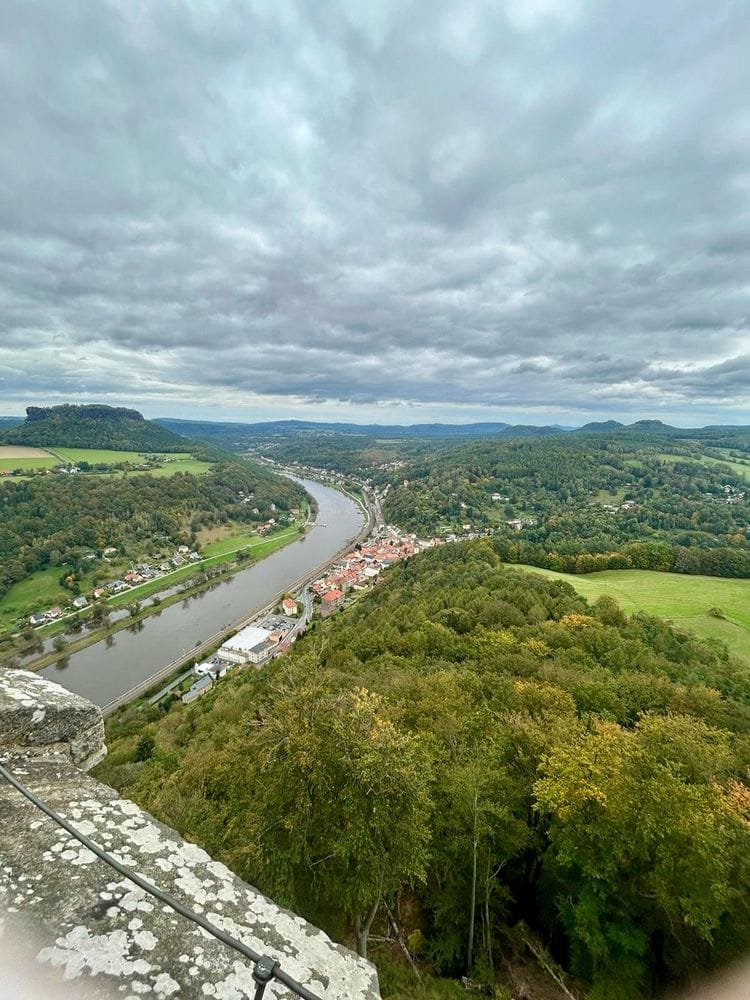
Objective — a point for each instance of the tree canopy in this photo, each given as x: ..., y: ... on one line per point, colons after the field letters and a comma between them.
x: 484, y: 746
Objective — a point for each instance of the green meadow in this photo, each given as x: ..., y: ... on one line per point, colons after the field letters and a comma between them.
x: 31, y: 459
x: 37, y: 592
x: 685, y: 600
x: 739, y: 468
x: 171, y: 463
x: 28, y: 459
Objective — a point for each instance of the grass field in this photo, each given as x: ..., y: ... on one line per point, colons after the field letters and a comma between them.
x: 30, y: 459
x: 684, y: 600
x: 180, y: 465
x: 37, y: 592
x: 232, y: 543
x: 101, y: 455
x: 13, y: 457
x: 738, y: 468
x: 173, y: 463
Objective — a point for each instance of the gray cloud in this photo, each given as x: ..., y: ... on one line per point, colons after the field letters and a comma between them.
x: 532, y: 207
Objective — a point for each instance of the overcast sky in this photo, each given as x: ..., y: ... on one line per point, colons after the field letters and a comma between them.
x: 530, y: 210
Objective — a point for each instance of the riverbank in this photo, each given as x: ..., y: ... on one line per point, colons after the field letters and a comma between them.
x: 175, y: 630
x: 191, y: 580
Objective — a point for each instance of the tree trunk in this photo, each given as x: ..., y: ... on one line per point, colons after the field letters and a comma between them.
x: 399, y: 939
x: 470, y: 957
x: 487, y: 917
x: 362, y: 926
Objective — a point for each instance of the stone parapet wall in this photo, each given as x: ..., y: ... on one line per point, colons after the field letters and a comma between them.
x: 82, y: 919
x: 37, y: 716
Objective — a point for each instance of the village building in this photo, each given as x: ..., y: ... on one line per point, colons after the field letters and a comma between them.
x: 200, y: 687
x: 330, y: 602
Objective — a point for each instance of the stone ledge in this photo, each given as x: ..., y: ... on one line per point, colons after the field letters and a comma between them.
x: 39, y: 716
x: 90, y: 925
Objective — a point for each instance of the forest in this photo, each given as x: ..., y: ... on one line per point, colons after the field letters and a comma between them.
x: 95, y: 426
x: 582, y: 503
x: 58, y: 520
x: 478, y: 754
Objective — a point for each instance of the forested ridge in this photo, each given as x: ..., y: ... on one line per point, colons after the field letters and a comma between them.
x: 588, y: 502
x: 56, y: 520
x: 95, y: 426
x: 479, y: 748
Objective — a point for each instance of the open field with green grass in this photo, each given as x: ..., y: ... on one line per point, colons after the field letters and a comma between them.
x: 36, y: 593
x: 30, y: 459
x: 105, y: 455
x: 179, y: 465
x: 171, y: 463
x: 684, y: 600
x: 19, y: 457
x: 738, y: 468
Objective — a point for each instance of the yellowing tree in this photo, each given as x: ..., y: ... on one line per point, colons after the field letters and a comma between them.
x: 645, y: 851
x: 341, y: 801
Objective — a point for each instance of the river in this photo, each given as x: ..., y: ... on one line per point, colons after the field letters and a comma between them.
x: 109, y: 668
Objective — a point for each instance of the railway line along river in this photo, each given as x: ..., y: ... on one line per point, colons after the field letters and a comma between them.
x: 105, y: 671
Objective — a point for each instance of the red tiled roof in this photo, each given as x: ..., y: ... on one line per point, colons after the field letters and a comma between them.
x: 332, y: 595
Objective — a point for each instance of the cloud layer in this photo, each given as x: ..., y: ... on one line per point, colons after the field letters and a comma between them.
x: 537, y: 207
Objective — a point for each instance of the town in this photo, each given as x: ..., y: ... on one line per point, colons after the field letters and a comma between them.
x: 271, y: 635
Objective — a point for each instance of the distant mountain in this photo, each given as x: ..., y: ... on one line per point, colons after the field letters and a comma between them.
x: 234, y: 431
x: 651, y: 425
x: 91, y: 427
x: 602, y: 425
x: 240, y: 436
x: 10, y: 421
x: 530, y: 430
x: 209, y: 428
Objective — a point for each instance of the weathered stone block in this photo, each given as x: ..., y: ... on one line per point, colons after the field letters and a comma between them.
x: 37, y: 715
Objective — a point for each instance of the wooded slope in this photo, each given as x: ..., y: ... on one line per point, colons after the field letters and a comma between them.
x: 484, y: 746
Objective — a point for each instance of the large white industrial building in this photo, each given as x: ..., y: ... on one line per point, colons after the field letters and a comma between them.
x: 249, y: 645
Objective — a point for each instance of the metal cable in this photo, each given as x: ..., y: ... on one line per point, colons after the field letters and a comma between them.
x: 263, y: 964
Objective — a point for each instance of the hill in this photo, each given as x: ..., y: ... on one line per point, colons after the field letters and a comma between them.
x: 602, y: 425
x: 586, y: 502
x: 108, y: 427
x: 220, y: 430
x: 488, y: 752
